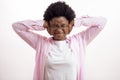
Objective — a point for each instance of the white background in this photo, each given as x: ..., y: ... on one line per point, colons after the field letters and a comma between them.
x: 102, y: 57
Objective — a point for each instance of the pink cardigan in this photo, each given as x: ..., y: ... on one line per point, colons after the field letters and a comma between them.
x: 42, y: 44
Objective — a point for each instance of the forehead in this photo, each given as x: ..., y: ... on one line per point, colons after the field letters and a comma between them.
x: 59, y: 20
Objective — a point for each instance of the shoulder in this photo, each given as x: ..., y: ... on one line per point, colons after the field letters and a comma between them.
x: 76, y: 37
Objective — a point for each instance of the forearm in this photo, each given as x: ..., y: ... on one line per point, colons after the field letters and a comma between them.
x: 93, y: 22
x: 94, y: 26
x: 90, y: 22
x: 23, y: 29
x: 28, y: 25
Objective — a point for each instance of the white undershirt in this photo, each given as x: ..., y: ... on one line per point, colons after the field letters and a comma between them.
x: 61, y: 63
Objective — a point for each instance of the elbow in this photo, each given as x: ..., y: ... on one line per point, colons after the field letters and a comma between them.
x: 15, y: 26
x: 102, y: 22
x: 18, y: 27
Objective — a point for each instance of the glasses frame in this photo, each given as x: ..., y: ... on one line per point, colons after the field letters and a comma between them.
x: 57, y: 26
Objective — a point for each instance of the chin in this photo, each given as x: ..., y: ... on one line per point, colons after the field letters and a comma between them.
x: 59, y: 39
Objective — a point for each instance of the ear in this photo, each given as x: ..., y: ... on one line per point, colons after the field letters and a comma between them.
x: 71, y: 24
x: 45, y: 25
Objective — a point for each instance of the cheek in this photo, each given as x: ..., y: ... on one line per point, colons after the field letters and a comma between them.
x: 67, y: 31
x: 70, y: 29
x: 50, y: 31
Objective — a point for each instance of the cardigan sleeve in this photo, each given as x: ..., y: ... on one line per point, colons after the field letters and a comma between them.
x: 24, y: 30
x: 94, y: 26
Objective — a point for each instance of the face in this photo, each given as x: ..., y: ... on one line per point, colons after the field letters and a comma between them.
x: 59, y: 27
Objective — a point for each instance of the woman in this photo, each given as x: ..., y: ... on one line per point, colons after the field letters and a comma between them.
x: 59, y: 57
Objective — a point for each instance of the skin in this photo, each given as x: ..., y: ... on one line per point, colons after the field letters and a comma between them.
x: 59, y: 27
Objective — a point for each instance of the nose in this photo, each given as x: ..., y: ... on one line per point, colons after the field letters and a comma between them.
x: 58, y: 31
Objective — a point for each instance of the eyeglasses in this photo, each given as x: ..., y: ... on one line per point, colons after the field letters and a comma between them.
x: 63, y: 26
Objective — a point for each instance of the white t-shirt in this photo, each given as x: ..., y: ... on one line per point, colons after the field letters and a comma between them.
x: 61, y: 63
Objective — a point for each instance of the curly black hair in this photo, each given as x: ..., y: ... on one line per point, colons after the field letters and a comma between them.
x: 59, y: 9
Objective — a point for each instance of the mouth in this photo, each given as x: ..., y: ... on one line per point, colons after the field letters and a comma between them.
x: 58, y: 33
x: 59, y: 36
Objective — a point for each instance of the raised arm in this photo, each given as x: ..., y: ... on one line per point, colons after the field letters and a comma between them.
x: 23, y: 29
x: 94, y: 26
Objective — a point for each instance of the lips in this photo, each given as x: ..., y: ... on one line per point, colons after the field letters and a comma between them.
x: 58, y: 35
